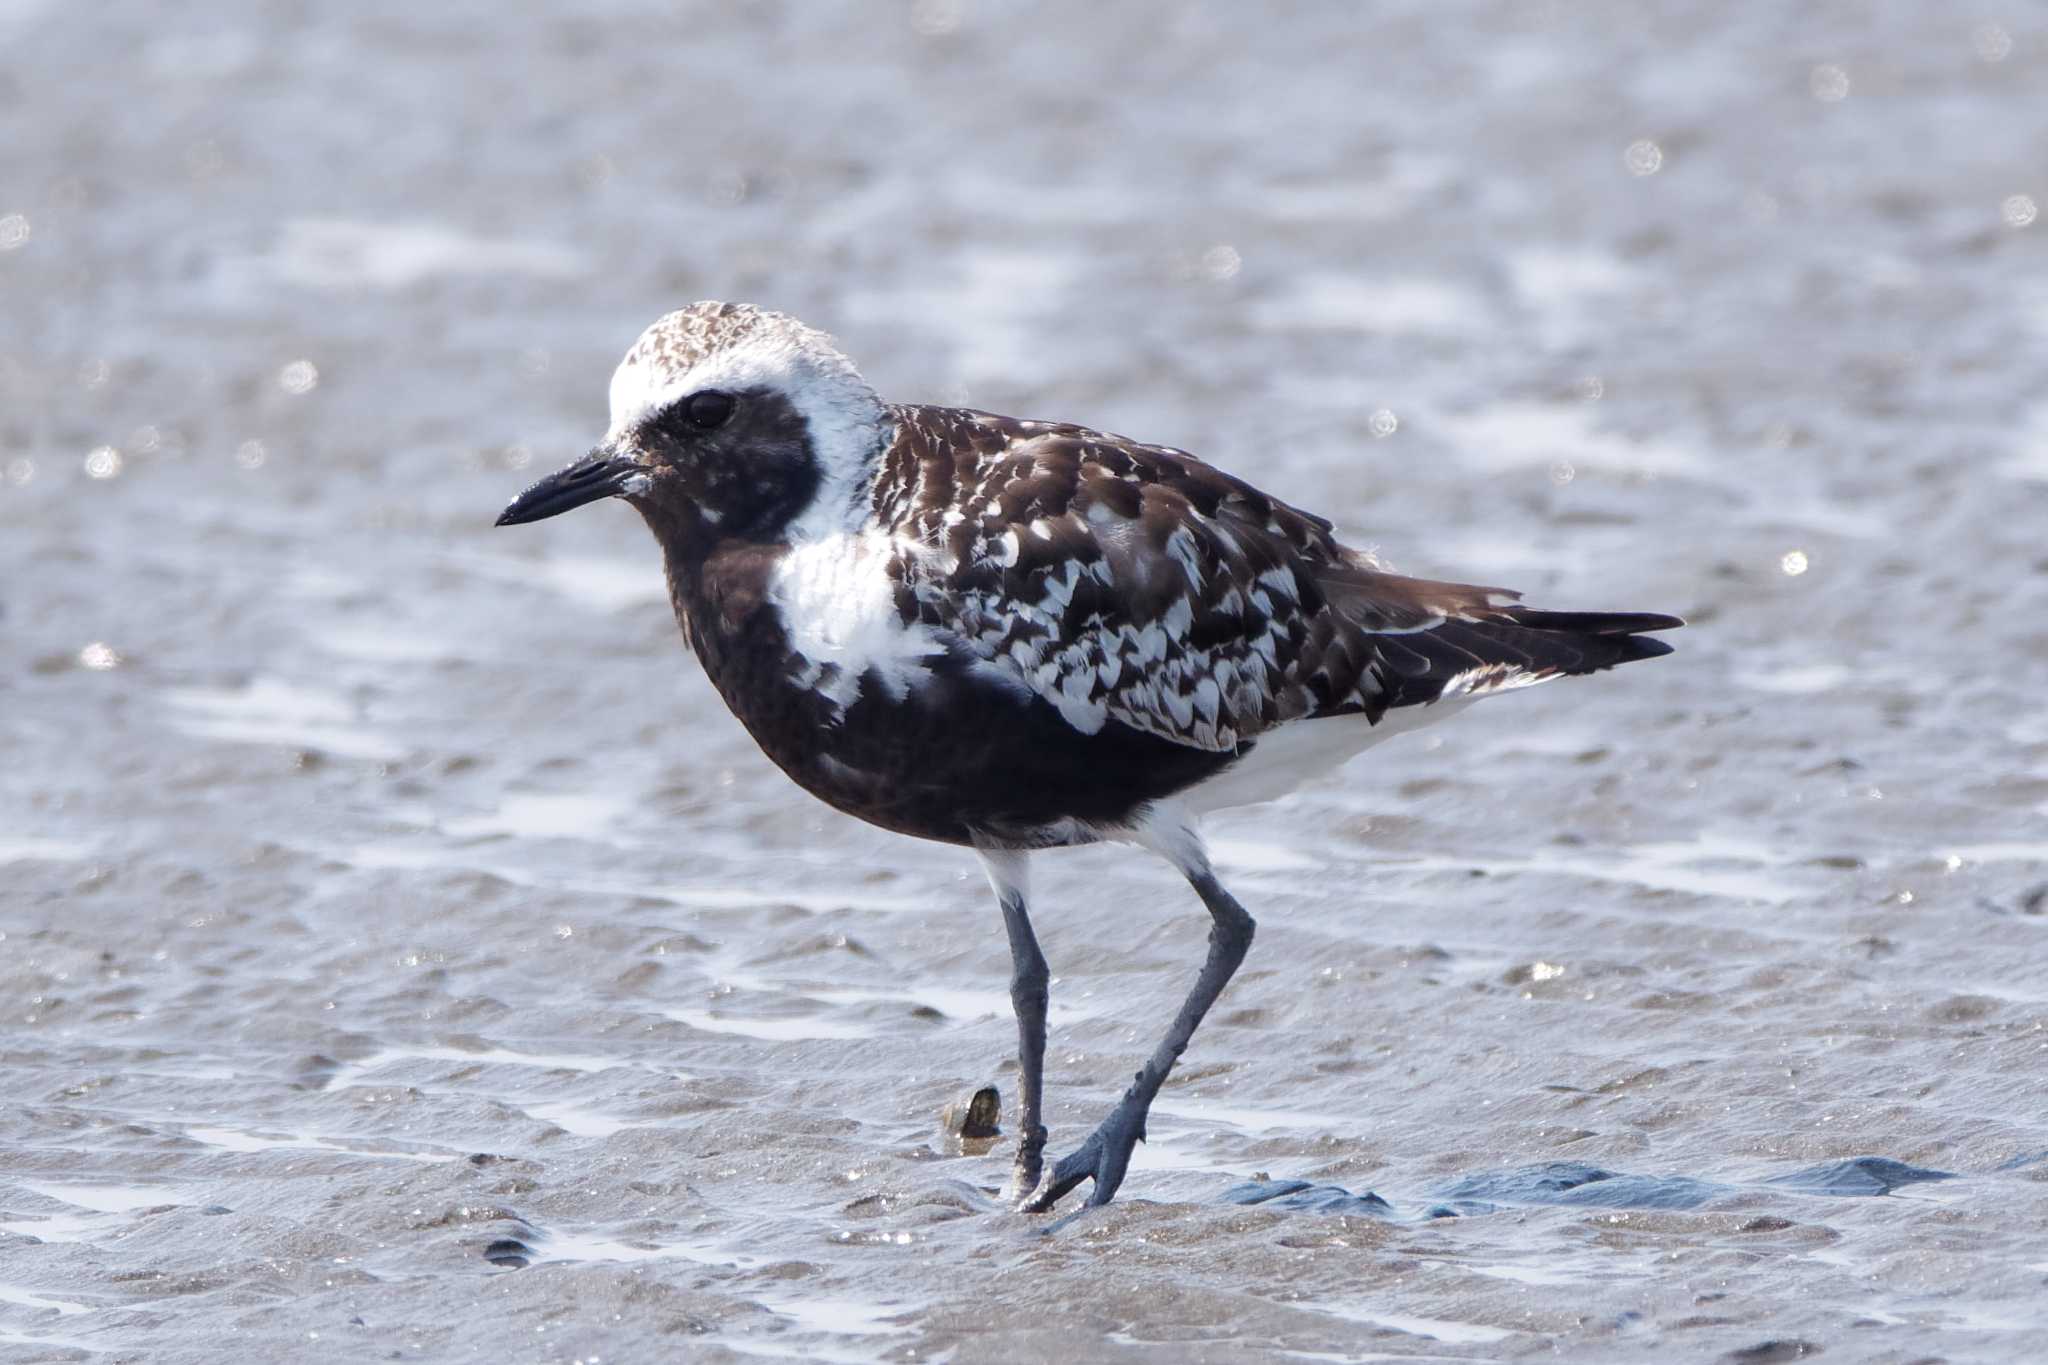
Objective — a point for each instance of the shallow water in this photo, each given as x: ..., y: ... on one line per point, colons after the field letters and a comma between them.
x: 402, y: 955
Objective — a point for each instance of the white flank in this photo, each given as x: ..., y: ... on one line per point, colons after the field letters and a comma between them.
x: 1297, y: 754
x: 838, y: 608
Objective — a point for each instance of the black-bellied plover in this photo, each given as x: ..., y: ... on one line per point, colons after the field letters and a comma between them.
x: 1016, y: 635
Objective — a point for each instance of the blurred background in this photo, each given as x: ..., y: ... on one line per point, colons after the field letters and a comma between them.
x: 378, y: 888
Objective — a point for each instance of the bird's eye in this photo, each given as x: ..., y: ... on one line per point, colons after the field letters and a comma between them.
x: 708, y: 410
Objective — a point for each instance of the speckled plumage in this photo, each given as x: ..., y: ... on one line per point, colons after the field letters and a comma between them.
x: 1133, y: 583
x: 983, y: 629
x: 1017, y: 635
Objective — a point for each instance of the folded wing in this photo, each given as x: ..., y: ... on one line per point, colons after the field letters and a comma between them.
x: 1135, y: 585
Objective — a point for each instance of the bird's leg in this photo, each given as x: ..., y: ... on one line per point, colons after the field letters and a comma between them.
x: 1107, y: 1152
x: 1028, y: 984
x: 1028, y: 997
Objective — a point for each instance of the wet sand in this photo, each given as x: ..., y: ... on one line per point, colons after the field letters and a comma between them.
x: 403, y: 955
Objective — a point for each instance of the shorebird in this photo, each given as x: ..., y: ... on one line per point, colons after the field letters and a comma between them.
x: 1018, y: 635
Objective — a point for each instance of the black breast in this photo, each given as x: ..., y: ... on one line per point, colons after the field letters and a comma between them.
x: 959, y: 753
x: 954, y: 754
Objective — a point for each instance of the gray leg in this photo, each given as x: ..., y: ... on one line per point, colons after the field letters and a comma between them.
x: 1107, y: 1152
x: 1028, y: 982
x: 1028, y: 997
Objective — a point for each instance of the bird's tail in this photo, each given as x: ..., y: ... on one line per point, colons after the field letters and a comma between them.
x: 1603, y: 638
x: 1433, y: 640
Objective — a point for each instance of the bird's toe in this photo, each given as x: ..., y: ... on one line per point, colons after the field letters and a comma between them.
x: 1103, y: 1158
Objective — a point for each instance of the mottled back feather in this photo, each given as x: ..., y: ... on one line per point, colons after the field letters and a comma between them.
x: 1135, y: 584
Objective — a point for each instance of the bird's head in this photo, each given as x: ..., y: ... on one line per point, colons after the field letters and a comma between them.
x: 728, y: 421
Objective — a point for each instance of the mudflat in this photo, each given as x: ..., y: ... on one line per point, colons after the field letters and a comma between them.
x: 404, y: 955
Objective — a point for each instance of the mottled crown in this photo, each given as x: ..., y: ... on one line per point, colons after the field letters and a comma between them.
x: 732, y: 346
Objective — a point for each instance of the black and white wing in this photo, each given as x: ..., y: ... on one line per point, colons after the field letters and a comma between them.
x: 1136, y: 584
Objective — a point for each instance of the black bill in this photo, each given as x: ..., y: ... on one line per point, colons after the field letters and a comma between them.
x: 591, y: 478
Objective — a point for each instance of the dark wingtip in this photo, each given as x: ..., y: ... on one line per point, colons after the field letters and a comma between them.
x: 1594, y: 622
x: 1643, y: 647
x: 1604, y: 638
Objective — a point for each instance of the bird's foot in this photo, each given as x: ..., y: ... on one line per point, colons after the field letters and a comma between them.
x: 1024, y: 1175
x: 1103, y: 1158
